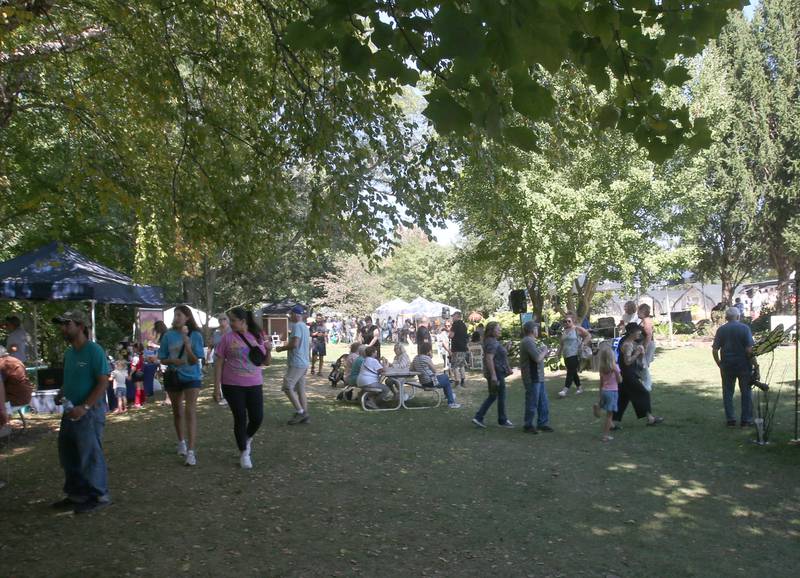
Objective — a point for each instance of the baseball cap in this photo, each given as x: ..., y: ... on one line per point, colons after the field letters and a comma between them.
x: 298, y: 309
x: 75, y: 316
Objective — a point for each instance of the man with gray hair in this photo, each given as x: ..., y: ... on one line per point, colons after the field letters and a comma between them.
x: 732, y: 351
x: 531, y: 361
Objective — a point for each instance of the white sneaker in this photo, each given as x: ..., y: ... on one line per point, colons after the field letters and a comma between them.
x: 578, y: 391
x: 507, y: 424
x: 191, y: 460
x: 245, y: 461
x: 182, y: 448
x: 454, y: 405
x: 563, y: 392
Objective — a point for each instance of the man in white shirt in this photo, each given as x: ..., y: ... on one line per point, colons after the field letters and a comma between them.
x: 17, y: 341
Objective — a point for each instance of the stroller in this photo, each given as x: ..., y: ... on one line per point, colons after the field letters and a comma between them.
x: 337, y: 372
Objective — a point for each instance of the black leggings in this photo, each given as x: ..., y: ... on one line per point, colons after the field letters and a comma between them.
x: 247, y: 407
x: 572, y: 363
x: 631, y: 390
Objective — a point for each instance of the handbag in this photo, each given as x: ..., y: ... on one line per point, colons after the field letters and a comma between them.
x: 255, y: 355
x: 586, y: 352
x: 171, y: 374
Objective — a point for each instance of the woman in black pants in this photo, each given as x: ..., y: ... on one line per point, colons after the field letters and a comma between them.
x: 632, y: 389
x: 240, y: 380
x: 573, y: 339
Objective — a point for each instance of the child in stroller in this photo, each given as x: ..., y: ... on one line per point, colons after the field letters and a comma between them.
x: 337, y: 375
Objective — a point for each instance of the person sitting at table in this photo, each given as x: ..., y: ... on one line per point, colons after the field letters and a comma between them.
x: 401, y: 361
x: 16, y: 388
x: 347, y: 366
x: 423, y: 365
x: 357, y: 362
x: 369, y: 376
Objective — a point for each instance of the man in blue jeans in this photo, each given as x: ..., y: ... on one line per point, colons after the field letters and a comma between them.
x: 531, y: 360
x: 732, y: 350
x: 80, y: 439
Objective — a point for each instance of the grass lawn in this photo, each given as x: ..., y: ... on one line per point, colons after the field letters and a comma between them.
x: 420, y: 493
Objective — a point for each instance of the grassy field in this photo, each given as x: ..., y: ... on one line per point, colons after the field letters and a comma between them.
x: 424, y: 493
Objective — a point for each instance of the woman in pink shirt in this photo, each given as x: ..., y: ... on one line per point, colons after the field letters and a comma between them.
x: 240, y: 380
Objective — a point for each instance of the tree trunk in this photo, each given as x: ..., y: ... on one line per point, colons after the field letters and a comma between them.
x: 727, y: 290
x: 784, y: 269
x: 537, y: 299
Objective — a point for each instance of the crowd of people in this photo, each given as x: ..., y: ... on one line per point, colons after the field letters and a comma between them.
x: 241, y: 349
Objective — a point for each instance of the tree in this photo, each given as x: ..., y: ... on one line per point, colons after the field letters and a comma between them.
x: 195, y: 137
x: 350, y: 287
x: 561, y: 221
x: 487, y: 59
x: 421, y: 267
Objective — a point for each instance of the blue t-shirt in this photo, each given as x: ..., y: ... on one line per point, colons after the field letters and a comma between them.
x: 81, y: 370
x: 298, y: 357
x: 171, y: 344
x: 732, y: 340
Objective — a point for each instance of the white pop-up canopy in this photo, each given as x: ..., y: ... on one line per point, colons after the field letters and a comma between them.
x: 391, y: 308
x: 199, y: 316
x: 420, y: 307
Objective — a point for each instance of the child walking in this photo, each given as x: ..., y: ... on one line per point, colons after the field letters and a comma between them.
x: 610, y: 378
x: 120, y: 375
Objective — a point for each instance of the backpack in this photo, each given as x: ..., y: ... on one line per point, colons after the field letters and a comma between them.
x: 255, y: 355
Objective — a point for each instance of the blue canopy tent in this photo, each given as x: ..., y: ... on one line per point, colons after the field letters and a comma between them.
x: 57, y: 272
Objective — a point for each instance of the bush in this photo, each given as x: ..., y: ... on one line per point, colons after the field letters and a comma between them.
x: 678, y: 328
x: 762, y: 323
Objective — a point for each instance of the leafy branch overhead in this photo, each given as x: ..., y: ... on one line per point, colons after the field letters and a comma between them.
x: 485, y: 58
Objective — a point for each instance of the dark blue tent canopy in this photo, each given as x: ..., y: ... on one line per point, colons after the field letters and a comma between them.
x: 57, y: 272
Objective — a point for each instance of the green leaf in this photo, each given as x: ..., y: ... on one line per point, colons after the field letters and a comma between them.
x: 676, y: 75
x: 530, y: 98
x: 521, y: 137
x: 355, y: 56
x: 608, y: 116
x: 447, y: 115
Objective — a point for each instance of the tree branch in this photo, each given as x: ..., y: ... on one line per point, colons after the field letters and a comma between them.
x: 61, y: 46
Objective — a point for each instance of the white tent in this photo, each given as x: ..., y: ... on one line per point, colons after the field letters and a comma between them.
x: 391, y: 308
x: 420, y: 307
x: 199, y: 316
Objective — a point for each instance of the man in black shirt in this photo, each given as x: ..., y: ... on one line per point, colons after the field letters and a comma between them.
x: 371, y: 335
x: 458, y: 345
x: 423, y: 334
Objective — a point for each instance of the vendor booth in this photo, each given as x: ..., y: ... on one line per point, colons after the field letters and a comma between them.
x: 57, y: 272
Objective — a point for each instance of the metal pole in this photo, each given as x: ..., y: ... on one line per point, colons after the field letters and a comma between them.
x: 796, y: 439
x: 35, y: 341
x: 669, y: 319
x: 92, y: 334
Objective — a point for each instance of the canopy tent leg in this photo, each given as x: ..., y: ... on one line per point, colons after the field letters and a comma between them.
x: 92, y: 307
x: 35, y: 340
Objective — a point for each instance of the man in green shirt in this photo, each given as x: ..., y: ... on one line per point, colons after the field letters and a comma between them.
x: 80, y: 439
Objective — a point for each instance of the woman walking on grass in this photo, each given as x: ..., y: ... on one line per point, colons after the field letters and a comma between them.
x: 181, y: 351
x: 495, y: 370
x: 632, y: 389
x: 573, y: 337
x: 240, y: 380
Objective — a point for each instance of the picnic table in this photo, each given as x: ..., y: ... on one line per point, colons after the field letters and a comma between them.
x: 401, y: 376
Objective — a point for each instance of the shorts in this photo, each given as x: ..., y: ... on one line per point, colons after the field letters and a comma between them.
x: 460, y: 359
x: 608, y: 400
x: 319, y: 350
x: 294, y: 379
x: 182, y: 385
x: 120, y: 391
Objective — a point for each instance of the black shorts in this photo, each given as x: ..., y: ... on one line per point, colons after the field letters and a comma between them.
x: 319, y: 349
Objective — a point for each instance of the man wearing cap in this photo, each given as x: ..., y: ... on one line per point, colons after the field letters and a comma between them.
x: 15, y: 387
x: 80, y: 439
x: 294, y: 382
x: 17, y: 340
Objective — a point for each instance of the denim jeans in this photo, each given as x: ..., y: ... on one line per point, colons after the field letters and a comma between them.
x: 500, y: 395
x: 80, y: 451
x: 729, y: 377
x: 443, y: 382
x: 536, y: 403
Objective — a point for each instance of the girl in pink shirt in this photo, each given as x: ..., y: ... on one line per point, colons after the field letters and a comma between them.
x: 610, y: 377
x: 240, y: 380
